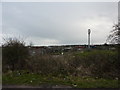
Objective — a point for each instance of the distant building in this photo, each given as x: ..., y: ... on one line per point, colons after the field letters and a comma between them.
x: 36, y: 50
x: 79, y: 48
x: 66, y: 49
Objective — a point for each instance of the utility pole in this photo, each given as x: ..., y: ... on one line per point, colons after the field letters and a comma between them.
x: 89, y: 31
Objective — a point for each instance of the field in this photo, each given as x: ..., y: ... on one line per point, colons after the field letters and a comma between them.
x: 75, y: 82
x: 86, y: 69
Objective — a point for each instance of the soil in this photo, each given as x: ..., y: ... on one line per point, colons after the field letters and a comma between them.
x: 41, y: 86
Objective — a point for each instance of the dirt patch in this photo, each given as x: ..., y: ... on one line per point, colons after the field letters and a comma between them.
x: 41, y: 86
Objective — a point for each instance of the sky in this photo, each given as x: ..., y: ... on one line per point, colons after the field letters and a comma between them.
x: 58, y: 23
x: 59, y: 0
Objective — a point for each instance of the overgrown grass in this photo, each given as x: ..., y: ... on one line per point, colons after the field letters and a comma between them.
x: 101, y: 63
x: 87, y: 69
x: 76, y: 82
x: 93, y: 52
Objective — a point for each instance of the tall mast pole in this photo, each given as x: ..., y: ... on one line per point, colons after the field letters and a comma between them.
x: 89, y: 31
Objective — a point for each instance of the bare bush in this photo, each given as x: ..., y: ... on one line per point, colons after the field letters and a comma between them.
x: 14, y: 54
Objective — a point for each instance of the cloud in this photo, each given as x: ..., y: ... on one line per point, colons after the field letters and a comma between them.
x: 59, y: 23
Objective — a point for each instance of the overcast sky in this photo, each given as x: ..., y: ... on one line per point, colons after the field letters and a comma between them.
x: 50, y: 23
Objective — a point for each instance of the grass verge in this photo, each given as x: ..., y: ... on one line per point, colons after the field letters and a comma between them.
x: 76, y: 82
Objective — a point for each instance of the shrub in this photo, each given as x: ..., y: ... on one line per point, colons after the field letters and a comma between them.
x: 14, y: 54
x: 104, y: 63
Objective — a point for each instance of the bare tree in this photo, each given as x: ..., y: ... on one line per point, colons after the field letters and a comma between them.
x: 114, y: 36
